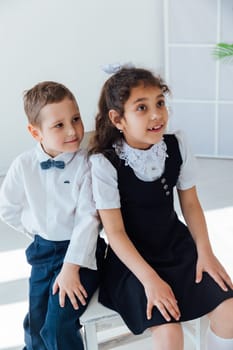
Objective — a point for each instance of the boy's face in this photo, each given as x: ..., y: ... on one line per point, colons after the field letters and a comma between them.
x: 61, y: 128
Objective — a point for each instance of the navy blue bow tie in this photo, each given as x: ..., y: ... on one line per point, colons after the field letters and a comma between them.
x: 52, y: 163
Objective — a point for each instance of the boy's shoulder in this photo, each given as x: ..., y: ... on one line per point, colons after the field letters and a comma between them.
x: 81, y: 158
x: 25, y: 157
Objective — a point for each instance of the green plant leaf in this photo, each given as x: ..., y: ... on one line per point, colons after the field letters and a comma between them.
x: 224, y: 52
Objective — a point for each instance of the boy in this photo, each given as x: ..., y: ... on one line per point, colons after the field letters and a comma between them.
x: 47, y: 195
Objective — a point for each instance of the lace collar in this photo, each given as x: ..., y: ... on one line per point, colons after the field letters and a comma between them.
x: 148, y: 165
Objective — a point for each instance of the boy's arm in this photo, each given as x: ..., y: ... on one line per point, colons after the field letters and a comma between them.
x: 82, y: 247
x: 12, y: 198
x: 195, y: 220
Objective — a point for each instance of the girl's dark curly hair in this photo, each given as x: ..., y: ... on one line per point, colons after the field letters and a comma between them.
x: 114, y: 94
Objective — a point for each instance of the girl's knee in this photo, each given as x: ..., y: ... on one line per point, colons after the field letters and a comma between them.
x: 221, y: 319
x: 167, y: 336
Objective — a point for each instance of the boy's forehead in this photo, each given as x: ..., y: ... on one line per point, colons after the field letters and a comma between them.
x: 66, y: 107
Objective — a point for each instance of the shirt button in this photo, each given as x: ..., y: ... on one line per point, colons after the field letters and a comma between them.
x: 163, y: 180
x: 167, y: 193
x: 165, y: 187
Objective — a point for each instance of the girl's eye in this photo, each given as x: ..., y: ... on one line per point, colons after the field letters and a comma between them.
x: 141, y: 108
x: 59, y: 125
x: 161, y: 103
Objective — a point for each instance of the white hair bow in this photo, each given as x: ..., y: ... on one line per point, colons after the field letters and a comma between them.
x: 112, y: 68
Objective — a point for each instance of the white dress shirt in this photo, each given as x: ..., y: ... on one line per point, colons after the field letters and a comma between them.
x: 104, y: 174
x: 56, y: 204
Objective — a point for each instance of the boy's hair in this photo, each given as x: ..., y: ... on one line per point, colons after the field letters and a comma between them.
x: 114, y: 94
x: 42, y: 94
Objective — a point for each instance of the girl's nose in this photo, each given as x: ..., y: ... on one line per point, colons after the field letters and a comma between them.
x: 154, y: 116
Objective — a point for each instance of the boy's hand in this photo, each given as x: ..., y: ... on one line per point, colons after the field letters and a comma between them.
x: 160, y: 294
x: 208, y: 262
x: 68, y: 283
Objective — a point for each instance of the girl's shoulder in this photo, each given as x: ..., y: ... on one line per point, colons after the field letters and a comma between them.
x: 100, y: 160
x: 177, y: 134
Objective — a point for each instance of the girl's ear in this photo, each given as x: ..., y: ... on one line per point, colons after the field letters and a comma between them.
x: 35, y: 132
x: 115, y: 119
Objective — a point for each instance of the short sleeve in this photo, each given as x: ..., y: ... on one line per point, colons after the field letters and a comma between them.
x: 188, y: 172
x: 104, y: 182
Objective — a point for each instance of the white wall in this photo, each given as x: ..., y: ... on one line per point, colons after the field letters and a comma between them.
x: 68, y: 41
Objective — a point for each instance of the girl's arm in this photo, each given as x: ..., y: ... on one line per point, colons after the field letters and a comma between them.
x: 195, y: 220
x: 158, y: 292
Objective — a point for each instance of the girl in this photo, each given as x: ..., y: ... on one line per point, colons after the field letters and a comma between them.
x: 158, y: 271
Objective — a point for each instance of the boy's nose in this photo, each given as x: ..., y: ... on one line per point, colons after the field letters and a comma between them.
x: 71, y: 130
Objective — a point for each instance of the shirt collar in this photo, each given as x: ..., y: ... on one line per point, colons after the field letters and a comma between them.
x: 42, y: 156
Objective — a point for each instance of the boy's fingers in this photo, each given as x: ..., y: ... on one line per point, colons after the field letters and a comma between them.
x: 62, y: 298
x: 55, y: 288
x: 80, y: 296
x: 83, y: 291
x: 73, y: 301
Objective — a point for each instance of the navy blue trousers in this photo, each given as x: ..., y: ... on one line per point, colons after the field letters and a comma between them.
x: 47, y: 326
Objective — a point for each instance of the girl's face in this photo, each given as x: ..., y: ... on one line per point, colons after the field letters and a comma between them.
x: 61, y: 128
x: 145, y: 117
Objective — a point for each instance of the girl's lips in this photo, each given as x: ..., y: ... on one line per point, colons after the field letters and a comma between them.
x: 155, y: 128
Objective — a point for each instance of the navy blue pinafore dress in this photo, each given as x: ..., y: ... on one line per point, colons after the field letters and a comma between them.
x: 164, y: 242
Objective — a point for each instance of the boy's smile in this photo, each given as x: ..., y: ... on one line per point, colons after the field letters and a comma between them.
x: 61, y: 128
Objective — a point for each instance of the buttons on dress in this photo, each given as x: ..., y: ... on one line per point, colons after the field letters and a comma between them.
x: 165, y: 186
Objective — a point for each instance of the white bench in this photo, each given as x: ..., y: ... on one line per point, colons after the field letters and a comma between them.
x: 97, y: 315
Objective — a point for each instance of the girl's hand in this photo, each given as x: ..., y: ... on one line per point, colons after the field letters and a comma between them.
x: 160, y: 294
x: 68, y: 283
x: 210, y: 264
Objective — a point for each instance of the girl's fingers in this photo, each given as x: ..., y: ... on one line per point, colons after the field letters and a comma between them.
x: 149, y: 310
x: 220, y: 281
x: 226, y: 278
x: 173, y: 309
x: 163, y: 311
x: 166, y: 308
x: 198, y: 275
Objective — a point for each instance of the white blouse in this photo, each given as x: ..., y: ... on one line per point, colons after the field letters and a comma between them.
x: 148, y: 165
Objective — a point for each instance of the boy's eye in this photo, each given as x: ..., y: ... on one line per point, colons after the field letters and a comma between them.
x: 76, y: 119
x: 141, y: 108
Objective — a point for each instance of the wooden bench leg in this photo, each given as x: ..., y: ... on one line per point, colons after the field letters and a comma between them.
x: 90, y: 337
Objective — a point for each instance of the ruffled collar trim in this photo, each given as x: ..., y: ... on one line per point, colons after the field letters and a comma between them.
x: 148, y: 164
